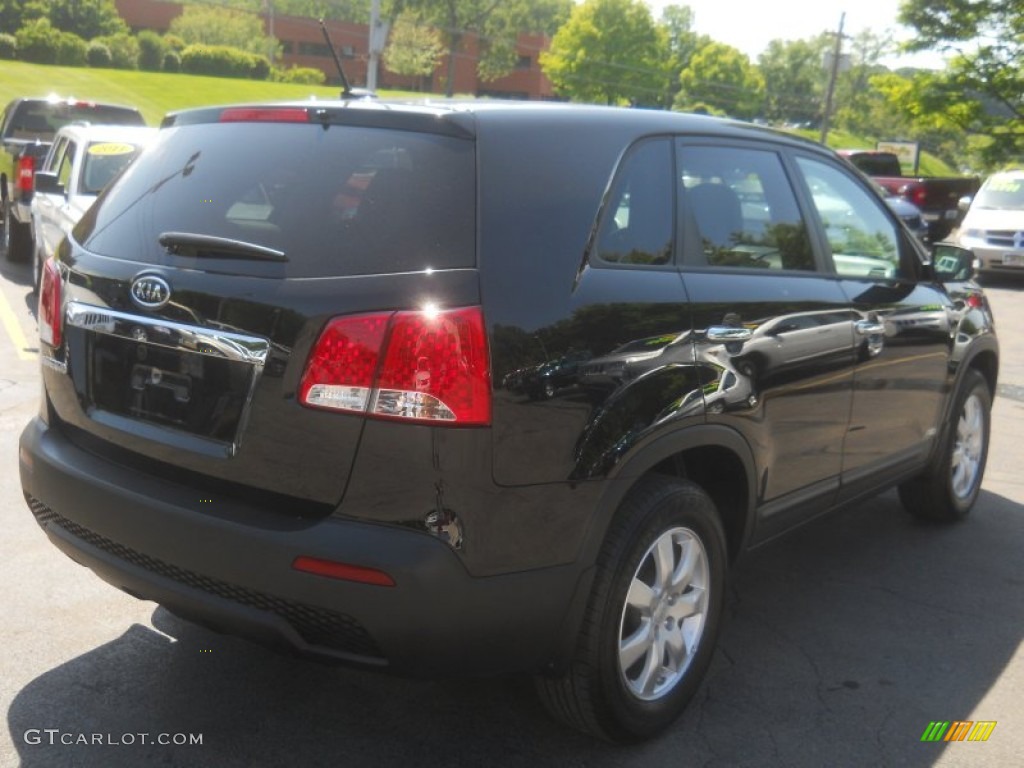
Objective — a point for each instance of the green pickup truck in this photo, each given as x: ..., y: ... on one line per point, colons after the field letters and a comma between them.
x: 27, y: 127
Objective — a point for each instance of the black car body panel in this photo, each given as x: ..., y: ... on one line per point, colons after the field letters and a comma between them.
x: 696, y: 284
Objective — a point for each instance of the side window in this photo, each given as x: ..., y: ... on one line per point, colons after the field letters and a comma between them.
x: 636, y: 227
x: 64, y: 169
x: 54, y: 155
x: 863, y: 239
x: 744, y: 209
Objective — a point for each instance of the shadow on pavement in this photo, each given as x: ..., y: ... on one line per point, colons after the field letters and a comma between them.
x: 843, y: 641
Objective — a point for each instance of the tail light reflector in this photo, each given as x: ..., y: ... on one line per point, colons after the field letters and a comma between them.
x: 425, y: 366
x: 50, y: 316
x: 26, y: 174
x: 344, y: 571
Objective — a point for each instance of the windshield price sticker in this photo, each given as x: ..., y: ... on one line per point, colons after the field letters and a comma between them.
x: 111, y: 148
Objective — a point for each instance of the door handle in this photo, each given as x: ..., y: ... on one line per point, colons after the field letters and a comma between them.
x: 727, y: 333
x: 869, y: 328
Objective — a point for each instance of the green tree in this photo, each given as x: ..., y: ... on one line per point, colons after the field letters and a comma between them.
x: 413, y: 48
x: 609, y: 51
x: 856, y: 101
x: 204, y: 25
x: 984, y: 79
x: 496, y: 23
x: 682, y: 42
x: 721, y: 80
x: 85, y: 18
x: 794, y: 79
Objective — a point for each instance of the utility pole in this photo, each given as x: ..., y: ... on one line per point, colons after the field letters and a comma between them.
x: 376, y: 45
x: 834, y: 73
x: 268, y: 9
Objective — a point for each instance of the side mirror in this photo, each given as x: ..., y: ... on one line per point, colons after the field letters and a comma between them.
x: 47, y: 183
x: 964, y: 203
x: 952, y: 264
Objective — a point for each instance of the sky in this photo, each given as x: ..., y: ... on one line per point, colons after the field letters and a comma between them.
x: 750, y: 24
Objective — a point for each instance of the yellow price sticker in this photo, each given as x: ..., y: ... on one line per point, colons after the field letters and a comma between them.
x: 1005, y: 185
x: 111, y: 148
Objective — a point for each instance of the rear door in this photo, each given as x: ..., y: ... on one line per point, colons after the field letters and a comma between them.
x: 769, y: 314
x: 902, y: 330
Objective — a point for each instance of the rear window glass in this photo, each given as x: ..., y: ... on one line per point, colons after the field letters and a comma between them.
x: 41, y: 120
x: 336, y: 200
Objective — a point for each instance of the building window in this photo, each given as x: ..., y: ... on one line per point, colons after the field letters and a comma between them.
x: 524, y: 62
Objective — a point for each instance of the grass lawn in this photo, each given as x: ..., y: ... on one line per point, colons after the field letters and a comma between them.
x: 153, y: 93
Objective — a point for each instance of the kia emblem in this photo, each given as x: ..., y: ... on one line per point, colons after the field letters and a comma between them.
x: 150, y: 291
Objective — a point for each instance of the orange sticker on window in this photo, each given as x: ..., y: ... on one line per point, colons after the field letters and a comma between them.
x: 111, y: 148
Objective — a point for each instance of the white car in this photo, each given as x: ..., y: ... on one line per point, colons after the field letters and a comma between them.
x: 994, y: 225
x: 82, y: 161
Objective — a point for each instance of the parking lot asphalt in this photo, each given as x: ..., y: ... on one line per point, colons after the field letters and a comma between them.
x: 843, y: 641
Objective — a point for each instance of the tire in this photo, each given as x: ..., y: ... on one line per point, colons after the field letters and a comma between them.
x: 622, y: 684
x: 549, y: 390
x: 17, y: 239
x: 947, y: 490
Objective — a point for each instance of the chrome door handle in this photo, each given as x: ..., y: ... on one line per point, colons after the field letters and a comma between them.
x: 869, y: 328
x: 727, y: 333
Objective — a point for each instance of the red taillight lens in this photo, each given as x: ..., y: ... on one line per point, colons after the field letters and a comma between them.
x: 50, y: 320
x: 917, y: 195
x: 264, y: 115
x: 342, y: 368
x: 26, y: 173
x: 432, y: 367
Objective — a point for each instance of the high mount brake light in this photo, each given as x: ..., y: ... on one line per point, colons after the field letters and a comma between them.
x: 50, y: 315
x: 264, y: 115
x: 423, y: 366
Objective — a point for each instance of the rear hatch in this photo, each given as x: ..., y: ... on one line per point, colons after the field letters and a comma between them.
x: 196, y: 289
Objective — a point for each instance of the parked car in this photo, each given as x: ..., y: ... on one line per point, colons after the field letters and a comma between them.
x: 909, y: 213
x: 82, y: 160
x: 994, y: 225
x: 27, y: 127
x: 271, y: 356
x: 936, y: 197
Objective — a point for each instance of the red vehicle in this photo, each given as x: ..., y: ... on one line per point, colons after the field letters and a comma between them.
x: 937, y: 197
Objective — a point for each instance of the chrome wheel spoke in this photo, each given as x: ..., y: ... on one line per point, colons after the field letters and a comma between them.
x: 640, y: 596
x: 648, y: 677
x: 664, y: 562
x: 687, y: 565
x: 636, y: 645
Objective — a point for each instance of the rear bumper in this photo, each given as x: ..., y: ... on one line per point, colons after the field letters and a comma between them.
x: 230, y: 569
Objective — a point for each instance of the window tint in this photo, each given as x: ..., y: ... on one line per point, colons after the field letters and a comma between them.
x: 863, y: 239
x: 339, y: 200
x: 744, y: 209
x: 637, y: 222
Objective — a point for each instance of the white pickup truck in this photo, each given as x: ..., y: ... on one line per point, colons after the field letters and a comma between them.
x: 82, y: 160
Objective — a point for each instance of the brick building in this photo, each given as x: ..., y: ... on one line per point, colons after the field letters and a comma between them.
x: 302, y: 45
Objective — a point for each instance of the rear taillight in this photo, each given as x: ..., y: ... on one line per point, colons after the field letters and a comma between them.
x: 50, y: 319
x: 917, y: 195
x: 426, y: 366
x: 26, y: 174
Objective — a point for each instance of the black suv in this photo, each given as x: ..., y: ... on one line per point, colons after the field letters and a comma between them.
x: 280, y: 358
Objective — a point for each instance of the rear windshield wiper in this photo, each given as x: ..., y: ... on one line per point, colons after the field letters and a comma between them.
x: 208, y: 246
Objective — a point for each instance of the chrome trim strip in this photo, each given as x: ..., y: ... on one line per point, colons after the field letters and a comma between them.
x: 166, y: 333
